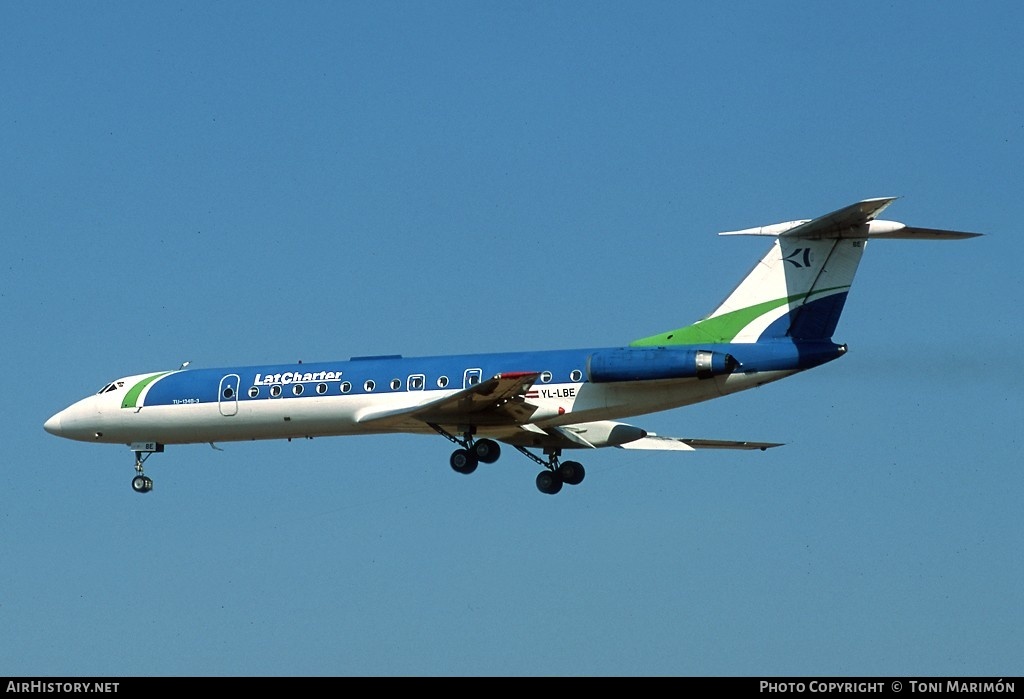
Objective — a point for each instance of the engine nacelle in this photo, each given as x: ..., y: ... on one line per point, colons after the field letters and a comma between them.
x: 606, y: 433
x: 659, y: 363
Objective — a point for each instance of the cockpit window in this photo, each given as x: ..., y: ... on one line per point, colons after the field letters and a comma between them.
x: 112, y: 386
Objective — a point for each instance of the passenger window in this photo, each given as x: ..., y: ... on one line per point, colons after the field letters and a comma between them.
x: 545, y: 376
x: 442, y: 381
x: 346, y: 387
x: 254, y: 391
x: 297, y: 389
x: 228, y: 392
x: 275, y: 391
x: 321, y: 388
x: 396, y: 384
x: 369, y: 385
x: 576, y: 375
x: 416, y: 382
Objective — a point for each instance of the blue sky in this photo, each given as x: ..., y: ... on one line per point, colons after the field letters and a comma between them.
x: 235, y: 184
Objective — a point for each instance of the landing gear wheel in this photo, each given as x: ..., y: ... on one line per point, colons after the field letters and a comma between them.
x: 463, y: 461
x: 571, y: 472
x: 487, y: 451
x: 142, y: 484
x: 548, y: 482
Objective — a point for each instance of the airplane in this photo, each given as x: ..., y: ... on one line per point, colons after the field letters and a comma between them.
x: 777, y: 322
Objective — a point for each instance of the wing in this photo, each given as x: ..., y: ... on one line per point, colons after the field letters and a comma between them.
x: 500, y: 402
x: 606, y: 433
x: 654, y: 441
x: 497, y: 401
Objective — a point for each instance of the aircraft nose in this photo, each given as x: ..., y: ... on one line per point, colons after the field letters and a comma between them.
x: 53, y: 425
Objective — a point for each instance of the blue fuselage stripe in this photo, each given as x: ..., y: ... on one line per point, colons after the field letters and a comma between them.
x: 205, y: 385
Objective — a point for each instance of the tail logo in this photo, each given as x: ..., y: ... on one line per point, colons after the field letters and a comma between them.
x: 801, y: 257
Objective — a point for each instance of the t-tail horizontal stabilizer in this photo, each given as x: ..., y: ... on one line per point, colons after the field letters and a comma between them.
x: 854, y: 221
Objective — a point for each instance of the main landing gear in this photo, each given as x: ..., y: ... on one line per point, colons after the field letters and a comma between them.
x: 555, y: 474
x: 473, y: 452
x: 143, y: 483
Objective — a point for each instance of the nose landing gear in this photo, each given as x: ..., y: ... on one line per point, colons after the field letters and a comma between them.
x: 143, y: 483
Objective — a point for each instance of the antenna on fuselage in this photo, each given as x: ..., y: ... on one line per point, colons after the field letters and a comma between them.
x: 183, y: 365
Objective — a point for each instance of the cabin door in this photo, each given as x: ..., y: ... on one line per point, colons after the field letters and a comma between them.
x: 227, y: 396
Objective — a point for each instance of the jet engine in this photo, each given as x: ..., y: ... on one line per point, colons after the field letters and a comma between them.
x: 658, y: 363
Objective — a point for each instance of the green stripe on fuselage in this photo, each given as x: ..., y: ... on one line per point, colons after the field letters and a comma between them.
x: 723, y: 328
x: 132, y: 397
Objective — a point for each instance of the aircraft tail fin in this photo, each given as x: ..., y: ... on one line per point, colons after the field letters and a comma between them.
x: 798, y: 290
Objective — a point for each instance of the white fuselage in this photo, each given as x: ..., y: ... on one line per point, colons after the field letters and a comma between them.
x: 102, y: 417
